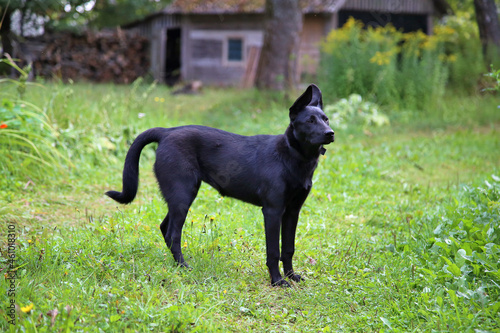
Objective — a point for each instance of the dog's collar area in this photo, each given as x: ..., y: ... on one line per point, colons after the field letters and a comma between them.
x: 322, y: 150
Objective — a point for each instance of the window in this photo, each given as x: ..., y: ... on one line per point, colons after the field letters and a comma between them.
x: 235, y: 49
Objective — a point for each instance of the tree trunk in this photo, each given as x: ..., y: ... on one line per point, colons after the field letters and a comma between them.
x: 489, y: 27
x: 5, y: 33
x: 278, y: 58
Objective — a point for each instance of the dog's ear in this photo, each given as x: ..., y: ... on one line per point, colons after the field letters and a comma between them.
x: 310, y: 97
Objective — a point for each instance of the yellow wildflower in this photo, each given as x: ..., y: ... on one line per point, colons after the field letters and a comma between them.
x: 381, y: 58
x: 444, y: 30
x: 429, y: 43
x: 452, y: 58
x: 27, y: 308
x: 351, y: 23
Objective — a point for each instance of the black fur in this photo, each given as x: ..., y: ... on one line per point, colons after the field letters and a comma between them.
x: 271, y: 171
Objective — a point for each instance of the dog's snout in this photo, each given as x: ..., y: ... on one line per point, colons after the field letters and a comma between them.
x: 330, y: 135
x: 329, y: 132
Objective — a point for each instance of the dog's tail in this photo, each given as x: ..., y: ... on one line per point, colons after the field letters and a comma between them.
x: 131, y: 168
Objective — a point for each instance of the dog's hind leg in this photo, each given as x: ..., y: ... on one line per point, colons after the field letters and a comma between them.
x: 179, y: 202
x: 164, y: 227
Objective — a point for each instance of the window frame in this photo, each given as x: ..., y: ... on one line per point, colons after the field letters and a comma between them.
x: 225, y: 54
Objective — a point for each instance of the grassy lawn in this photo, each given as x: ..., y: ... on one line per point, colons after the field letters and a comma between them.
x: 401, y: 231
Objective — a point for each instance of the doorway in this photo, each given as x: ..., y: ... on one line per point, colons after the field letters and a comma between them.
x: 173, y: 56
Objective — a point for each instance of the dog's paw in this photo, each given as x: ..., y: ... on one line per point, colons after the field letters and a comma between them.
x: 295, y: 277
x: 281, y: 283
x: 183, y: 265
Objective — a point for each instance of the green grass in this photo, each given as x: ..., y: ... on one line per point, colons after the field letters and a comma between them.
x: 378, y: 239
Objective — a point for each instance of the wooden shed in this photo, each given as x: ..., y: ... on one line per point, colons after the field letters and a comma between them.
x: 218, y: 41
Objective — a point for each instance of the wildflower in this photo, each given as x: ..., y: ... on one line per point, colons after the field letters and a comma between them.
x: 157, y: 99
x: 452, y: 58
x: 3, y: 125
x: 352, y: 22
x: 444, y: 30
x: 27, y: 308
x: 185, y: 244
x: 381, y: 58
x: 429, y: 43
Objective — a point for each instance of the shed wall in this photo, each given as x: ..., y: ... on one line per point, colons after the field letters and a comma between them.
x: 205, y: 43
x: 391, y: 6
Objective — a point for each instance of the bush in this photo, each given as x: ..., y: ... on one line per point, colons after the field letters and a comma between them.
x: 405, y: 70
x: 355, y: 111
x: 464, y: 46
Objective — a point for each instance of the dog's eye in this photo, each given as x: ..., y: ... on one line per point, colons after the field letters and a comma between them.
x: 326, y: 120
x: 311, y: 120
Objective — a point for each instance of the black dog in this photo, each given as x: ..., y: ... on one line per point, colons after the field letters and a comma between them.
x: 271, y: 171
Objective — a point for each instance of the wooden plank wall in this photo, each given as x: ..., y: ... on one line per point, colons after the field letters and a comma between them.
x: 392, y: 6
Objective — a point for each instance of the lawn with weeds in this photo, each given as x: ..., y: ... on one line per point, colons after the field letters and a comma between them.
x: 401, y: 231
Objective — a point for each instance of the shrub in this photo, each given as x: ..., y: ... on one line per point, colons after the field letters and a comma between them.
x: 463, y: 45
x: 407, y: 70
x: 354, y: 111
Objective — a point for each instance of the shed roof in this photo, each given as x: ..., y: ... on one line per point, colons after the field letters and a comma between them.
x: 219, y: 7
x: 308, y: 6
x: 244, y: 6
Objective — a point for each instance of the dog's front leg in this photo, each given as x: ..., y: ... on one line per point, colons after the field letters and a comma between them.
x: 288, y: 229
x: 272, y: 223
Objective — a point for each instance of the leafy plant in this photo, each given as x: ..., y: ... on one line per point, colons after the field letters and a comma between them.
x: 495, y: 76
x: 355, y: 111
x: 463, y: 253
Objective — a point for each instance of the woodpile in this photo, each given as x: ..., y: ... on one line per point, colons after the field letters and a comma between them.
x: 106, y: 56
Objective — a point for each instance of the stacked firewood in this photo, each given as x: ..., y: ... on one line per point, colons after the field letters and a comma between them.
x: 106, y: 56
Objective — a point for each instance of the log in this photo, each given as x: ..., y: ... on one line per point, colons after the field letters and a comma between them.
x: 104, y: 56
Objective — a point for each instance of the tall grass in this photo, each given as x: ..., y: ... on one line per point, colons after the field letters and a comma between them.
x: 28, y: 141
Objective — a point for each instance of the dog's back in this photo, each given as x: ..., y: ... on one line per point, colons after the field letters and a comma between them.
x: 237, y: 166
